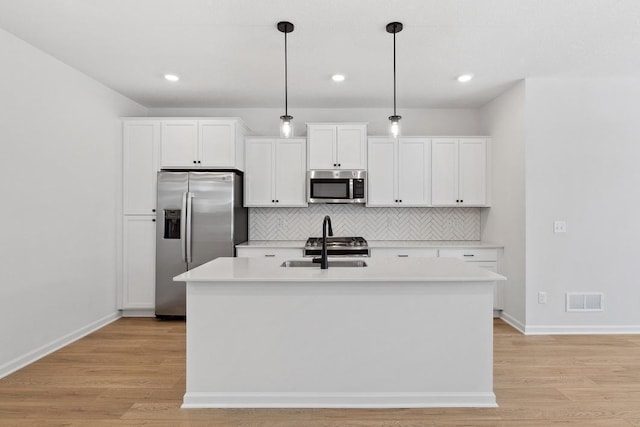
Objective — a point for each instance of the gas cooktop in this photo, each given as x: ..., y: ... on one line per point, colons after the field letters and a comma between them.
x: 337, y: 246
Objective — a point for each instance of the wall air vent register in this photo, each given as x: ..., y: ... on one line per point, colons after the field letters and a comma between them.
x: 585, y: 301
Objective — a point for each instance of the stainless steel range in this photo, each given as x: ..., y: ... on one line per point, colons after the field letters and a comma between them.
x: 337, y: 246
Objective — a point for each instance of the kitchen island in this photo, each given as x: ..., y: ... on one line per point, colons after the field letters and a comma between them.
x: 400, y: 332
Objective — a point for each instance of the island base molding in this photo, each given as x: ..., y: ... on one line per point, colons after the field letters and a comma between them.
x: 193, y: 400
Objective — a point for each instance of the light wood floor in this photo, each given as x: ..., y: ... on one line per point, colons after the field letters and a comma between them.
x: 132, y: 373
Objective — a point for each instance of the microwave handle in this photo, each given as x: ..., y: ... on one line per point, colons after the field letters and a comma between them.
x: 351, y: 189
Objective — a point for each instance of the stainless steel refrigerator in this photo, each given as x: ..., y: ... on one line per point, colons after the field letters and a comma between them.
x: 200, y: 218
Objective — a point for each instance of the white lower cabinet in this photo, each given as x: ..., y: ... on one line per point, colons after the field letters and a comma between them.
x: 486, y: 258
x: 139, y: 272
x: 248, y: 252
x: 404, y: 252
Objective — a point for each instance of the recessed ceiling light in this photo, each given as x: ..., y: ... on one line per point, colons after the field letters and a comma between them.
x: 171, y: 77
x: 337, y: 77
x: 465, y: 78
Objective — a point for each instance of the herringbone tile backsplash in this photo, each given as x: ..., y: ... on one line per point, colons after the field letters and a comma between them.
x: 370, y: 223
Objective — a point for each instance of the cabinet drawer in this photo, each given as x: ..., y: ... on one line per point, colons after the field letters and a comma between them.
x: 269, y: 252
x: 404, y: 252
x: 470, y: 254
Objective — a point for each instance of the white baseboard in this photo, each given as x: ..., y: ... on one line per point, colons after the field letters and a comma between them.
x: 581, y: 329
x: 139, y: 312
x: 569, y: 329
x: 512, y: 321
x: 339, y: 400
x: 24, y: 360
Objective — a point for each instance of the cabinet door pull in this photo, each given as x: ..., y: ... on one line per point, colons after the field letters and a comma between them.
x: 468, y: 255
x: 153, y: 210
x: 194, y: 162
x: 154, y: 220
x: 403, y: 256
x: 269, y: 255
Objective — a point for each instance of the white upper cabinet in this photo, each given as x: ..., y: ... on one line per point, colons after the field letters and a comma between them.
x: 180, y: 143
x: 291, y: 172
x: 217, y: 143
x: 381, y: 172
x: 258, y: 178
x: 414, y: 171
x: 472, y: 184
x: 459, y: 172
x: 275, y: 172
x: 337, y: 146
x: 203, y: 143
x: 141, y: 153
x: 399, y: 172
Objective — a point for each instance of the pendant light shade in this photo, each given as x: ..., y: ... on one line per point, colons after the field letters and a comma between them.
x: 286, y: 128
x: 394, y: 127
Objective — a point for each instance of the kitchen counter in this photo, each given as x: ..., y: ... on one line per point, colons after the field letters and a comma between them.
x: 400, y: 333
x: 299, y: 244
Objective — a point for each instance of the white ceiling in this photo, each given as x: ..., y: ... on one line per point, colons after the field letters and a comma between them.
x: 229, y: 53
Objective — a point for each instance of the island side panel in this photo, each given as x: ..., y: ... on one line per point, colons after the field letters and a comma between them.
x: 339, y: 344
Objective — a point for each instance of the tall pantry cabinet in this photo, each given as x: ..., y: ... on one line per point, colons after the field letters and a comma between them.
x: 141, y: 162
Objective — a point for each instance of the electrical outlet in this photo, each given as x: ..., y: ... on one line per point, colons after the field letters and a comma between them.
x: 542, y: 297
x: 559, y: 226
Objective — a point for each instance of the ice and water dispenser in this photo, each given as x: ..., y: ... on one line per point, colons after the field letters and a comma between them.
x: 172, y: 223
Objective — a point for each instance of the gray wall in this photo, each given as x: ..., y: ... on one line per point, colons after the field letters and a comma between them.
x: 504, y: 222
x: 266, y: 121
x: 60, y: 170
x: 582, y: 151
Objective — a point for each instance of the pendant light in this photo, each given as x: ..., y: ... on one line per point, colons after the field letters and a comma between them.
x: 394, y: 28
x: 285, y: 129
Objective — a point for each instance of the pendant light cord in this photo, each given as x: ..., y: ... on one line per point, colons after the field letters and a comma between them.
x: 394, y: 74
x: 286, y: 94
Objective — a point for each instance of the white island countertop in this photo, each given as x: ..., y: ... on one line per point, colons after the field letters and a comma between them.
x: 378, y: 270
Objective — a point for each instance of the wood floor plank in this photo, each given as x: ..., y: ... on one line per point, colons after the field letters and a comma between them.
x: 132, y: 373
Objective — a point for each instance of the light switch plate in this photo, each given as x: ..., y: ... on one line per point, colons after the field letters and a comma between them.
x: 559, y: 227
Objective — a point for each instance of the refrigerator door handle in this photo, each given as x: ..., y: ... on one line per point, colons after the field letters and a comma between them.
x: 188, y: 226
x: 183, y: 227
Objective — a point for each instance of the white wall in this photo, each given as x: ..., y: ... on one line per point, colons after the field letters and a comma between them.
x: 266, y: 121
x: 60, y: 149
x: 582, y: 156
x: 504, y: 119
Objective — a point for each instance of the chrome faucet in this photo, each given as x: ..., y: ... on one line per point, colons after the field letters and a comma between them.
x: 324, y: 261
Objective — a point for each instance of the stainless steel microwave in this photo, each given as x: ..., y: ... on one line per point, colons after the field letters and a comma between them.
x: 337, y: 186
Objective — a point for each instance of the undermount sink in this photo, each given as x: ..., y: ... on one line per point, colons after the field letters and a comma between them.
x: 332, y: 263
